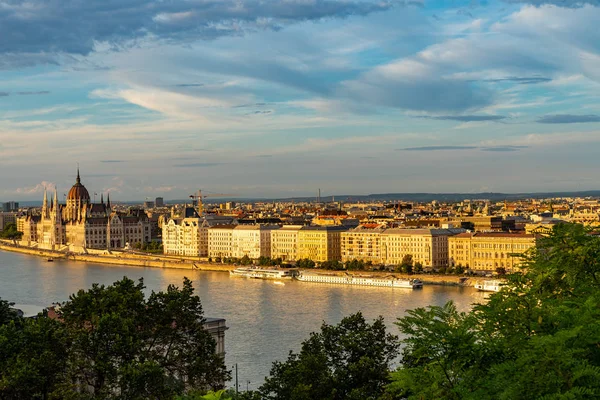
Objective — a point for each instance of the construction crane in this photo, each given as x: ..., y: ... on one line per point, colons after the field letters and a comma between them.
x: 197, y: 199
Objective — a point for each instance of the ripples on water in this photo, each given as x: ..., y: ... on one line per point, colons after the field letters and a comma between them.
x: 266, y: 319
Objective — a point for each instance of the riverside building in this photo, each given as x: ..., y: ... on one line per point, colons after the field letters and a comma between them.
x: 320, y: 243
x: 284, y: 242
x: 487, y: 251
x: 426, y: 246
x: 362, y: 243
x: 80, y: 224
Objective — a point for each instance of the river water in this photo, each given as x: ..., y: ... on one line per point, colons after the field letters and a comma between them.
x: 266, y: 319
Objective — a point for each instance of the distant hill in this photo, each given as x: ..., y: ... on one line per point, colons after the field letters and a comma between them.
x: 417, y: 197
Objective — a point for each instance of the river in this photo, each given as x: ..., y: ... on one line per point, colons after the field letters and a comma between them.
x: 266, y: 320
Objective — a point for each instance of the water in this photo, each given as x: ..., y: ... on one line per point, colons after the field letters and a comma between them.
x: 266, y: 319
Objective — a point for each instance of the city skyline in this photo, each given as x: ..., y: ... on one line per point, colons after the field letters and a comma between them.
x: 277, y: 99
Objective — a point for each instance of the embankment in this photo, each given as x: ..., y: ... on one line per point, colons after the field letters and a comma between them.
x: 118, y: 258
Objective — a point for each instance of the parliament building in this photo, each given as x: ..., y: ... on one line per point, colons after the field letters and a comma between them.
x: 80, y: 224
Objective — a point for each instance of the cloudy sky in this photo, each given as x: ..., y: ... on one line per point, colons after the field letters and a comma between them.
x: 262, y: 98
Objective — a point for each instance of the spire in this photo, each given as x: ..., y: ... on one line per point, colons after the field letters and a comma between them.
x: 101, y: 198
x: 78, y: 180
x: 45, y: 204
x: 55, y: 205
x: 108, y: 200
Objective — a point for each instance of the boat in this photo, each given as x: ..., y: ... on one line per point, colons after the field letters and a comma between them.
x: 262, y: 273
x: 488, y: 286
x: 50, y: 259
x: 349, y: 279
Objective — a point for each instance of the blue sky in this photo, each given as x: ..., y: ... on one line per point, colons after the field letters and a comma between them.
x: 263, y: 98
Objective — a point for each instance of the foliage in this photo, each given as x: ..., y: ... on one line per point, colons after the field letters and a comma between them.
x: 7, y: 314
x: 33, y: 355
x: 358, y: 265
x: 332, y: 265
x: 538, y: 338
x: 345, y: 361
x: 418, y: 268
x: 10, y: 232
x: 305, y: 263
x: 150, y: 247
x: 110, y: 340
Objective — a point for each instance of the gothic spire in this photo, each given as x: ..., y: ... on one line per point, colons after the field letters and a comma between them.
x: 45, y: 204
x: 108, y: 200
x: 101, y: 198
x: 78, y: 180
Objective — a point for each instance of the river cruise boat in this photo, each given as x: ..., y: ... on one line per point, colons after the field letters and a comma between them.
x: 262, y: 273
x: 348, y: 279
x: 488, y: 286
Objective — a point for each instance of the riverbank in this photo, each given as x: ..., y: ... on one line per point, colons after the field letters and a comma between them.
x: 120, y: 258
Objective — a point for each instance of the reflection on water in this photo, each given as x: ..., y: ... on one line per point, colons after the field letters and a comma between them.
x: 266, y: 318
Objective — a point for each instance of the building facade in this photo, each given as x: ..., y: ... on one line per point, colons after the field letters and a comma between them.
x: 320, y: 243
x: 284, y: 242
x: 426, y: 246
x: 253, y: 241
x: 80, y: 224
x: 363, y: 244
x: 487, y: 251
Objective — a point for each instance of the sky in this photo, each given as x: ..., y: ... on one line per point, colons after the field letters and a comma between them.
x: 278, y: 98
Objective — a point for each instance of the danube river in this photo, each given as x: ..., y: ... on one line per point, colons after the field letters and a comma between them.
x: 265, y: 319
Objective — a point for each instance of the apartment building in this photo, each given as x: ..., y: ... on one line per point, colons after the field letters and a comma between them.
x: 183, y: 237
x: 253, y: 241
x: 320, y: 243
x: 486, y: 251
x: 362, y: 243
x: 7, y: 218
x: 284, y: 242
x: 220, y: 241
x: 427, y: 246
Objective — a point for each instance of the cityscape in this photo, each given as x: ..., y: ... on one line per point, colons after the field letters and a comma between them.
x: 299, y: 200
x: 479, y: 236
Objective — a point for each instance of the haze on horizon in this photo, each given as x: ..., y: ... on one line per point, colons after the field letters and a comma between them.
x: 278, y: 98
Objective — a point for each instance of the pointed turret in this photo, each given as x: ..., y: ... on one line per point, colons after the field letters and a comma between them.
x: 45, y: 205
x: 55, y: 202
x: 78, y: 180
x: 101, y: 198
x: 108, y: 201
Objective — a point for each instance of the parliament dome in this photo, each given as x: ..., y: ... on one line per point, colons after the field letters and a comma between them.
x: 78, y: 191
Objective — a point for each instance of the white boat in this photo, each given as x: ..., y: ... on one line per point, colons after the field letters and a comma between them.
x: 488, y: 286
x: 360, y: 280
x: 262, y: 273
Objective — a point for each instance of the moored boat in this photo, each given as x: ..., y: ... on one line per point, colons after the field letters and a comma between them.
x: 262, y: 273
x: 488, y: 286
x: 349, y: 279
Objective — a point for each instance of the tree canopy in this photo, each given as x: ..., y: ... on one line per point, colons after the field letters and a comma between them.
x: 538, y: 338
x: 112, y: 341
x: 350, y: 360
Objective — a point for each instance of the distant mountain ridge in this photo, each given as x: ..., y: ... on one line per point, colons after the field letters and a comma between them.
x: 418, y: 197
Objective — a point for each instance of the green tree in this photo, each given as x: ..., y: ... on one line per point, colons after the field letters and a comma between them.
x: 535, y: 339
x: 7, y: 313
x: 10, y: 232
x: 418, y: 268
x: 33, y: 356
x: 245, y: 260
x: 154, y: 347
x: 305, y: 263
x: 350, y: 360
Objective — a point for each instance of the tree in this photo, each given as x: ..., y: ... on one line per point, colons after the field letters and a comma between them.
x: 350, y: 360
x: 33, y: 356
x: 112, y: 341
x: 305, y: 263
x: 418, y: 268
x: 154, y: 347
x: 7, y: 313
x: 10, y: 232
x: 245, y: 260
x: 536, y: 338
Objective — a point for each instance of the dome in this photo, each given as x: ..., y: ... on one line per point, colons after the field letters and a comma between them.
x: 78, y: 191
